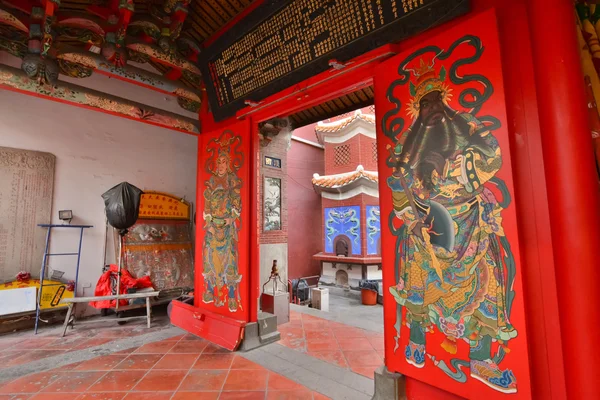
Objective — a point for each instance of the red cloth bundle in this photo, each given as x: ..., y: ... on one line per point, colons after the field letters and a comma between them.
x: 103, y: 287
x: 23, y: 276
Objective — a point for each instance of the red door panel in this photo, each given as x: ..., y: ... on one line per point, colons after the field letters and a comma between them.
x: 454, y: 311
x: 222, y: 230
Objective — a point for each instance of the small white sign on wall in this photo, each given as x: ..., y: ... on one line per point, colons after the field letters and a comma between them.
x: 19, y: 300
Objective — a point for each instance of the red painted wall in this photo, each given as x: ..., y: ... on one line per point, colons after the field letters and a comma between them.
x: 368, y: 153
x: 304, y: 205
x: 307, y: 132
x: 361, y: 153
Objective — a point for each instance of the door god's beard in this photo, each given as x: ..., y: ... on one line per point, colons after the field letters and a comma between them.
x: 442, y: 138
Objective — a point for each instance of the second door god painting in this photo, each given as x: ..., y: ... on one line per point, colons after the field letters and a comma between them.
x: 454, y: 302
x: 223, y: 225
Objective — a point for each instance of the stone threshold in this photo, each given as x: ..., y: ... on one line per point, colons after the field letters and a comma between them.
x: 330, y: 380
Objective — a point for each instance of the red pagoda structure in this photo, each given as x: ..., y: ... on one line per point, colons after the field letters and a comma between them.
x: 350, y: 200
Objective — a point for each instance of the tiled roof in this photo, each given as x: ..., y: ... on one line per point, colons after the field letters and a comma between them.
x: 340, y: 180
x: 336, y: 126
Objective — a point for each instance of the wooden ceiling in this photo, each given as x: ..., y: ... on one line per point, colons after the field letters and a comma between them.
x: 204, y: 19
x: 167, y: 34
x: 176, y: 62
x: 208, y: 16
x: 349, y: 102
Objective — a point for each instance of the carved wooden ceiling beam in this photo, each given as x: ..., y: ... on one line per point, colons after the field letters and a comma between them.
x: 35, y: 32
x: 14, y: 32
x: 165, y: 31
x: 18, y: 22
x: 159, y: 55
x: 39, y: 63
x: 16, y: 80
x: 115, y: 25
x: 21, y: 5
x: 79, y: 64
x: 117, y: 15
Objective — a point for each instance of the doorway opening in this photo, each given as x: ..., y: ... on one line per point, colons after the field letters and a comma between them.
x: 325, y: 169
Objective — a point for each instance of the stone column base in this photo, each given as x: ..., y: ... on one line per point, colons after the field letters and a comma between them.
x: 388, y: 385
x: 263, y: 332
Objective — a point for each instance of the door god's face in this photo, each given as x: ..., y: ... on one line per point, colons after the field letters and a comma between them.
x: 222, y: 166
x: 432, y: 108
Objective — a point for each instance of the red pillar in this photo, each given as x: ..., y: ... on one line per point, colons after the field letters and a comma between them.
x: 573, y: 194
x: 255, y: 202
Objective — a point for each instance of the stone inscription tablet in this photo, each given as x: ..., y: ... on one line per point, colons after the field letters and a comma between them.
x: 26, y: 185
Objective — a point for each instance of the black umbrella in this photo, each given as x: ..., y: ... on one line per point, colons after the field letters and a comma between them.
x: 122, y: 206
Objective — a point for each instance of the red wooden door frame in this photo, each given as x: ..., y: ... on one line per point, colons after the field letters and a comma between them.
x: 548, y: 378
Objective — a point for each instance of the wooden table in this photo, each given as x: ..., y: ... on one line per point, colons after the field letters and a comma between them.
x: 73, y: 301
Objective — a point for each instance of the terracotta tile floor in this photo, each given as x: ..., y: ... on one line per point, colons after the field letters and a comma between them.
x: 182, y: 368
x: 352, y: 348
x: 26, y: 347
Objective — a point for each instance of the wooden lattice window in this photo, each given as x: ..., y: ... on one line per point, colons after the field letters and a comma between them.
x: 342, y: 155
x: 374, y: 151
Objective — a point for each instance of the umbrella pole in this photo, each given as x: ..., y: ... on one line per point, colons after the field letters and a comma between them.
x: 105, y: 239
x: 119, y: 269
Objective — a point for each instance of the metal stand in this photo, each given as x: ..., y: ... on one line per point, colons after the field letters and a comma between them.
x: 121, y: 236
x: 274, y: 277
x: 38, y: 304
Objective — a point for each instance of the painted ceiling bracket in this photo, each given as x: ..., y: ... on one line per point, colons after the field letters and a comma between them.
x: 39, y: 63
x: 36, y: 32
x: 15, y: 80
x: 269, y: 129
x: 85, y: 63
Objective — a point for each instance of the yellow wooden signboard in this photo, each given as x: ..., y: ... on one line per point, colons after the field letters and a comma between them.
x: 53, y: 293
x: 157, y: 205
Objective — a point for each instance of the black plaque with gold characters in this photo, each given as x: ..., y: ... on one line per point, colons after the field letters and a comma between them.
x: 284, y: 42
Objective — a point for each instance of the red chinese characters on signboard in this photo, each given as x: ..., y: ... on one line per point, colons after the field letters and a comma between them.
x: 154, y: 205
x: 454, y: 304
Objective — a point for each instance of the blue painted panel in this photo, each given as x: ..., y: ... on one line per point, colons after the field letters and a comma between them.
x: 343, y: 221
x: 373, y: 229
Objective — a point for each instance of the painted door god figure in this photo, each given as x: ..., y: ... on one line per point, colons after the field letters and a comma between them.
x: 452, y: 275
x: 221, y: 214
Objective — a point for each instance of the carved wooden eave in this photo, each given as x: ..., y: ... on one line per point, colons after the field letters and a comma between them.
x: 16, y: 80
x: 102, y: 36
x: 157, y: 54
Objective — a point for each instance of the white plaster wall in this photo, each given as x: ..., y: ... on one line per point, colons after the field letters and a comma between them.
x: 94, y: 152
x: 374, y: 273
x: 268, y: 253
x: 328, y: 270
x: 355, y: 273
